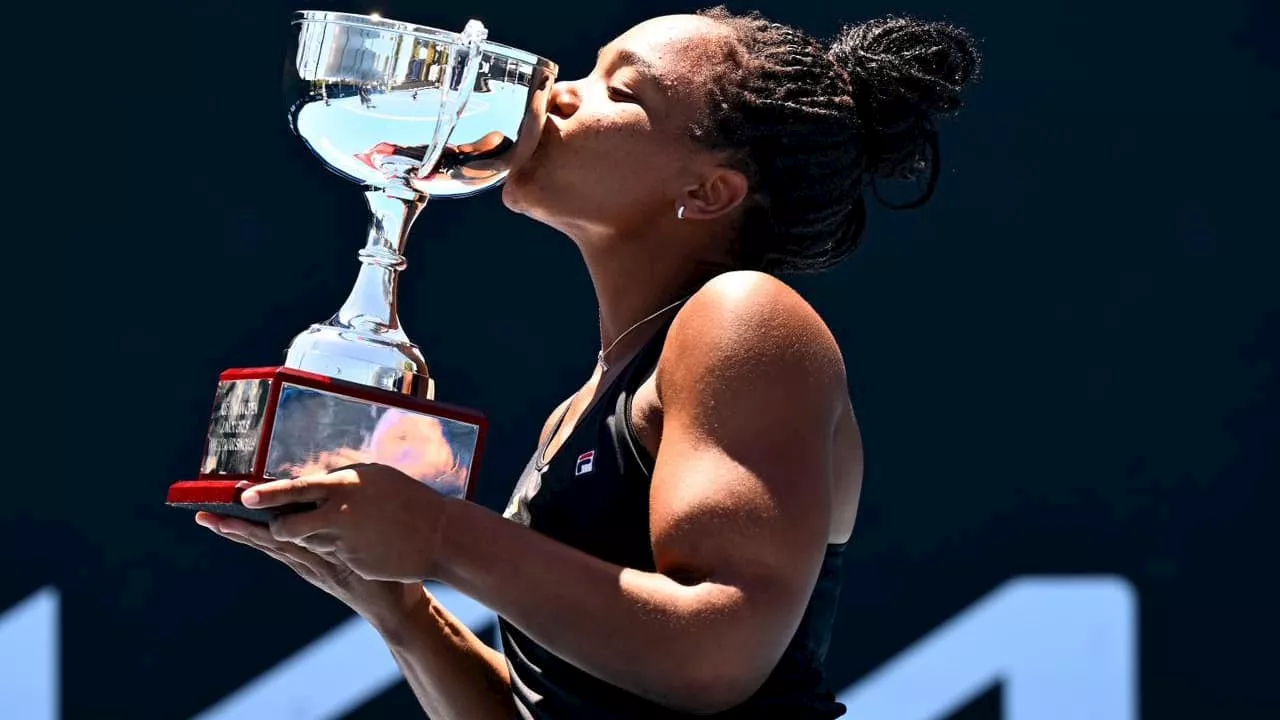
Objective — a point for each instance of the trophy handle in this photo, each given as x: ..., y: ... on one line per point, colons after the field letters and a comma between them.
x: 473, y: 35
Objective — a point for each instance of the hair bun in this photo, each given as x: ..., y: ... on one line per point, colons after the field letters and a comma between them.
x: 904, y: 74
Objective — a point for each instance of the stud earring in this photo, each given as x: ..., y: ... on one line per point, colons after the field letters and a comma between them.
x: 680, y: 213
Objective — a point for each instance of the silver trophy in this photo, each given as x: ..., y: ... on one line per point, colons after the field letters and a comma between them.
x: 410, y: 112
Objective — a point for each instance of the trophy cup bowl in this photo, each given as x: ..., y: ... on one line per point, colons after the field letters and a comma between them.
x: 409, y: 112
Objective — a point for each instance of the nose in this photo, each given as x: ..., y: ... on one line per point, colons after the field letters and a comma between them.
x: 565, y: 98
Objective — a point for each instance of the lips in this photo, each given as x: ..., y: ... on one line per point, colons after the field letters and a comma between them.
x: 550, y: 135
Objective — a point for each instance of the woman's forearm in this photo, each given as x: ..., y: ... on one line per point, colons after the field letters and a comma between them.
x: 451, y: 671
x: 677, y: 645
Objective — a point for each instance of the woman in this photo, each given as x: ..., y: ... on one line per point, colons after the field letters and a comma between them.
x: 673, y: 546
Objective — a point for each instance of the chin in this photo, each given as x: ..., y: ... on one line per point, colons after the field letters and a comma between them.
x: 512, y: 196
x: 524, y: 194
x: 518, y: 186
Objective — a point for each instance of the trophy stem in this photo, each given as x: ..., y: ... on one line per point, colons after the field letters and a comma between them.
x: 363, y: 342
x: 372, y: 305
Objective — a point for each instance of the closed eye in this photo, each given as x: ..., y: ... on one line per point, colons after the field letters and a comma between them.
x: 620, y: 95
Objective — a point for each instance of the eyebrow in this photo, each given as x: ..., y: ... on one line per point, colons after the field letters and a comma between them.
x: 628, y: 57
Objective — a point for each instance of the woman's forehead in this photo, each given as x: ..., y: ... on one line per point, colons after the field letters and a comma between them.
x: 671, y: 44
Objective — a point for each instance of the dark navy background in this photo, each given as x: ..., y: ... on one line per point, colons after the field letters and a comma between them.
x: 1063, y: 365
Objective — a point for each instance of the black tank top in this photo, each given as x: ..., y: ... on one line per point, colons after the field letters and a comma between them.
x: 594, y: 496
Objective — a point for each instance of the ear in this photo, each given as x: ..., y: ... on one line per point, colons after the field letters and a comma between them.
x: 722, y: 189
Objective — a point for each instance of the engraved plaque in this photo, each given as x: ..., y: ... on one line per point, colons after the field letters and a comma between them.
x: 239, y: 407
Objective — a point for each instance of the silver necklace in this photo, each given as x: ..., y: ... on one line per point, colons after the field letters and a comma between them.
x: 604, y: 366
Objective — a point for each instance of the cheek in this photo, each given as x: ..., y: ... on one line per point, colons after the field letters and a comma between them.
x: 613, y: 161
x: 614, y: 144
x: 594, y: 164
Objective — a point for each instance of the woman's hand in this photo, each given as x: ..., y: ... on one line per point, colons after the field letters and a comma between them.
x: 379, y: 602
x: 373, y: 519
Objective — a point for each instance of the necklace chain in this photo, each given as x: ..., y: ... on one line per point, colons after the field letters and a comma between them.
x: 600, y: 356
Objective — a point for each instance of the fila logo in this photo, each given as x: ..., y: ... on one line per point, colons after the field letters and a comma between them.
x: 586, y: 463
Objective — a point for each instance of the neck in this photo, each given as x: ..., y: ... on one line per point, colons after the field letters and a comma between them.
x: 634, y: 279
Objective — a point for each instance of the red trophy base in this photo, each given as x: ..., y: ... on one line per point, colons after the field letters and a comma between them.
x: 271, y: 423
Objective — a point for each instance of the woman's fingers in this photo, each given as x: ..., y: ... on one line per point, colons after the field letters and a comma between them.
x: 259, y: 537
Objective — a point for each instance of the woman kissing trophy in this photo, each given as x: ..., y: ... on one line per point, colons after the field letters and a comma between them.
x: 410, y: 112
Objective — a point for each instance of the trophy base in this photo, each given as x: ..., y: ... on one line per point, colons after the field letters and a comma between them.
x: 275, y: 423
x: 222, y: 497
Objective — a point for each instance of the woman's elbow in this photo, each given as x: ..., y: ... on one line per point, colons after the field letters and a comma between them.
x: 721, y: 665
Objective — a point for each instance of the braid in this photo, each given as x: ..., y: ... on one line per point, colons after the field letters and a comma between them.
x: 809, y: 131
x: 910, y: 72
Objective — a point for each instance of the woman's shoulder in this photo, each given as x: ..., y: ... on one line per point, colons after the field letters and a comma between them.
x: 746, y: 292
x: 753, y: 310
x: 745, y: 322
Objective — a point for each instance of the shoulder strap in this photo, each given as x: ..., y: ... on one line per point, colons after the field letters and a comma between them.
x: 619, y: 422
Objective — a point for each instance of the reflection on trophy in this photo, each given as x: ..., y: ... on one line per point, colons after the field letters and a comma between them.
x: 410, y: 112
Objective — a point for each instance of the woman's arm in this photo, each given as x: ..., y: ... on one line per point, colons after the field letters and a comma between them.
x: 751, y: 384
x: 451, y: 671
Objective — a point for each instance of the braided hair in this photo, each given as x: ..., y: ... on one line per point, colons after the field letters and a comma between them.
x: 814, y: 127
